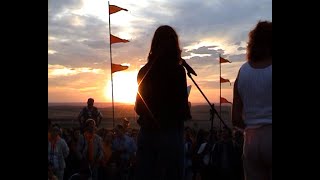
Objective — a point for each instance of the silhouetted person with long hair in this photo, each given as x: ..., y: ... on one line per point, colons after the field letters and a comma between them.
x: 162, y: 106
x: 252, y: 100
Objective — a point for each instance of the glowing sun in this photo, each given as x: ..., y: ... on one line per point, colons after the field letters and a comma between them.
x: 125, y: 87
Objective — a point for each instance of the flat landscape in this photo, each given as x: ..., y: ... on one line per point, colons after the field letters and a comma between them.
x: 66, y: 114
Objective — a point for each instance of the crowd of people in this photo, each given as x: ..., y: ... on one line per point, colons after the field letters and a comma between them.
x: 113, y: 153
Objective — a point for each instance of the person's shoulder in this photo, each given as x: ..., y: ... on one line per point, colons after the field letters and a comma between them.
x: 143, y: 69
x: 84, y: 108
x: 62, y: 141
x: 244, y: 65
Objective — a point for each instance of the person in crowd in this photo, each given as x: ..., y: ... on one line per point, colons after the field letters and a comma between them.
x: 123, y: 149
x: 89, y: 112
x: 89, y: 150
x: 58, y: 150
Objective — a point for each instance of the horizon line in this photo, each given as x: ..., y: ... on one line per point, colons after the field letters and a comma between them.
x: 84, y: 102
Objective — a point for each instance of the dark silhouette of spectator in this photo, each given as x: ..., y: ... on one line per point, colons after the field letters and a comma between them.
x: 89, y: 149
x: 89, y: 112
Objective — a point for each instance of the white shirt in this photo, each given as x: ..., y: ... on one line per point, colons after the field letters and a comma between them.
x: 255, y: 90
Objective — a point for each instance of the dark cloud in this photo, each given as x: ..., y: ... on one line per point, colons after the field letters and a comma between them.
x: 205, y: 60
x: 65, y: 27
x: 57, y: 6
x: 239, y: 57
x: 203, y: 50
x: 241, y: 48
x: 95, y: 44
x: 218, y: 18
x: 237, y: 43
x: 220, y: 51
x: 185, y: 53
x: 76, y: 54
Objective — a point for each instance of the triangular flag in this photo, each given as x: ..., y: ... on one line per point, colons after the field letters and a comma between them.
x: 118, y: 67
x: 189, y: 89
x: 222, y: 80
x: 223, y: 60
x: 224, y: 100
x: 115, y: 39
x: 114, y: 9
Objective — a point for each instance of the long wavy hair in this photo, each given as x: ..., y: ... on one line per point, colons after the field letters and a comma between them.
x: 260, y: 42
x: 165, y: 46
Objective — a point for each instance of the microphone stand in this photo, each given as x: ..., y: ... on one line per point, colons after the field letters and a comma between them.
x: 212, y: 110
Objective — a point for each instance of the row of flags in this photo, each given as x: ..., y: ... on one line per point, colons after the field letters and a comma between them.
x: 223, y: 80
x: 114, y: 39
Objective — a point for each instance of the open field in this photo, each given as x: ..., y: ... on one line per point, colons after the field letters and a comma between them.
x: 66, y: 114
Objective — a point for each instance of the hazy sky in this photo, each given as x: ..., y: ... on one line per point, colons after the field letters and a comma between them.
x: 78, y: 44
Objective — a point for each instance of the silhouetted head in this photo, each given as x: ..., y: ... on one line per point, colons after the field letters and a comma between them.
x: 260, y: 42
x: 90, y: 102
x: 90, y: 122
x: 54, y: 132
x: 119, y: 130
x: 107, y: 138
x: 165, y: 46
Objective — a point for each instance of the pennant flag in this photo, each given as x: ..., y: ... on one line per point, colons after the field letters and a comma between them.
x: 118, y: 67
x: 224, y: 100
x: 115, y: 39
x: 222, y: 80
x: 189, y: 89
x: 223, y: 60
x: 114, y: 9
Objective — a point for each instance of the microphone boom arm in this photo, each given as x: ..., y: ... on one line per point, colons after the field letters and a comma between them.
x: 212, y: 109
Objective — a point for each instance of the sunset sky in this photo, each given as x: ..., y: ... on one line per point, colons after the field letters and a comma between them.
x: 78, y: 44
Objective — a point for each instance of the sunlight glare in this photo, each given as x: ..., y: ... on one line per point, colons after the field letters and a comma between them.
x: 125, y: 87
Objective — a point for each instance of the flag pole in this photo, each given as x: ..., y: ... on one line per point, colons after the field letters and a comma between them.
x: 220, y: 88
x: 111, y: 67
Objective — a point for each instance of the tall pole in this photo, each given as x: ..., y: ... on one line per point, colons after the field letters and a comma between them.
x: 111, y: 67
x: 220, y: 88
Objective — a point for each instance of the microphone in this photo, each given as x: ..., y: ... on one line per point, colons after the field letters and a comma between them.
x: 188, y: 68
